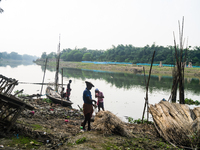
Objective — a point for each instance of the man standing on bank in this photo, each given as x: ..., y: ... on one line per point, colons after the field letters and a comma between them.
x: 87, y: 106
x: 68, y: 92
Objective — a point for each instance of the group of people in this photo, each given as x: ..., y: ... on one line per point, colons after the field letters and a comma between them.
x: 88, y: 101
x: 68, y: 91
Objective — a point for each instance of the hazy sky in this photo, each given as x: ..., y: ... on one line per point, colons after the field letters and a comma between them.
x: 33, y: 26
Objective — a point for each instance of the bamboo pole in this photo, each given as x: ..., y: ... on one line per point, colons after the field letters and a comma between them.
x: 180, y: 66
x: 62, y: 78
x: 57, y: 66
x: 181, y: 90
x: 39, y: 83
x: 144, y: 98
x: 62, y: 87
x: 19, y: 92
x: 43, y: 76
x: 147, y: 85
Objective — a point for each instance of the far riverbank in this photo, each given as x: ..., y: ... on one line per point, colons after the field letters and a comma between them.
x: 125, y: 68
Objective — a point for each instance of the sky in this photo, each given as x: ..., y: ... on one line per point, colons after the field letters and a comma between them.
x: 33, y: 26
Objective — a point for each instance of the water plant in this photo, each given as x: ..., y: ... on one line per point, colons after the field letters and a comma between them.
x: 21, y: 94
x: 47, y: 100
x: 191, y: 102
x: 138, y: 121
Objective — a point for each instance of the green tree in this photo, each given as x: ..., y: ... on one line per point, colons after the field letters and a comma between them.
x: 15, y: 56
x: 78, y: 56
x: 70, y: 55
x: 64, y: 56
x: 86, y: 57
x: 27, y: 57
x: 52, y: 55
x: 44, y: 55
x: 129, y: 53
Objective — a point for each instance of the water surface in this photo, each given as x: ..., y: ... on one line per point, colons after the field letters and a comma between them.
x: 124, y: 93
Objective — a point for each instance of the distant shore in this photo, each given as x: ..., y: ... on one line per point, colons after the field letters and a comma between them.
x: 125, y: 68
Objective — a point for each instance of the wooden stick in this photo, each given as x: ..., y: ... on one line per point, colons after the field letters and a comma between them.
x: 146, y: 99
x: 62, y: 87
x: 43, y: 76
x: 148, y: 86
x: 19, y: 92
x: 39, y: 83
x: 15, y: 117
x: 80, y: 108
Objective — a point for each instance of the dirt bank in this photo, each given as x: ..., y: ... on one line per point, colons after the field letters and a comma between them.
x: 56, y: 127
x: 125, y: 68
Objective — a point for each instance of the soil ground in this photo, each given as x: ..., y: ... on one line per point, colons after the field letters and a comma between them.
x: 53, y: 126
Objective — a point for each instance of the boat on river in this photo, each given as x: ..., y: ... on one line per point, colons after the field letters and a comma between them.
x: 56, y: 98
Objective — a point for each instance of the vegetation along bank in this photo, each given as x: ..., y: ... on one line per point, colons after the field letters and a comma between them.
x: 126, y: 68
x: 127, y: 53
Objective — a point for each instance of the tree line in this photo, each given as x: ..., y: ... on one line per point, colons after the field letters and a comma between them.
x: 16, y: 56
x: 128, y: 53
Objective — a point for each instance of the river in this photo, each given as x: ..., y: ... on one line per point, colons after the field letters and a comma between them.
x: 124, y: 93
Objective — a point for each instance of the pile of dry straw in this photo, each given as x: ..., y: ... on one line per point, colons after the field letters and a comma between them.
x: 109, y: 123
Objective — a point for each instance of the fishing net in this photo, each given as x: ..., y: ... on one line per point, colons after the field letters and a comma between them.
x: 177, y: 123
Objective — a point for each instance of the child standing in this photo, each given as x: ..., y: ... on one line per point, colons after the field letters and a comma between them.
x: 100, y: 96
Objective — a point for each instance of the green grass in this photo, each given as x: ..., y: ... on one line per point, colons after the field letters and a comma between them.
x: 81, y: 140
x: 138, y: 121
x: 37, y: 126
x: 136, y: 143
x: 191, y: 102
x: 24, y: 143
x: 21, y: 94
x: 47, y: 100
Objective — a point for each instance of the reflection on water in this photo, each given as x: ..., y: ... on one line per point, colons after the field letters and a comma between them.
x: 128, y: 80
x: 15, y: 63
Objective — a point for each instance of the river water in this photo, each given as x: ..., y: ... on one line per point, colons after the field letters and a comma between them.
x: 124, y: 93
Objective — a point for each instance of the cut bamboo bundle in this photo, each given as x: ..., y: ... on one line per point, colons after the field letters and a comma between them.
x: 177, y: 123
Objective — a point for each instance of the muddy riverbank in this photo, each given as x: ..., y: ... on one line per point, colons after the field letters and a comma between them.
x: 125, y: 68
x: 55, y: 127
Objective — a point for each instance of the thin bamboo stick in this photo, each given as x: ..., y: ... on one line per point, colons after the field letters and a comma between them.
x: 146, y: 99
x: 43, y: 76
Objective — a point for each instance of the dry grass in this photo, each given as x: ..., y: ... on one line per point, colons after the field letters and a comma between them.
x: 108, y: 123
